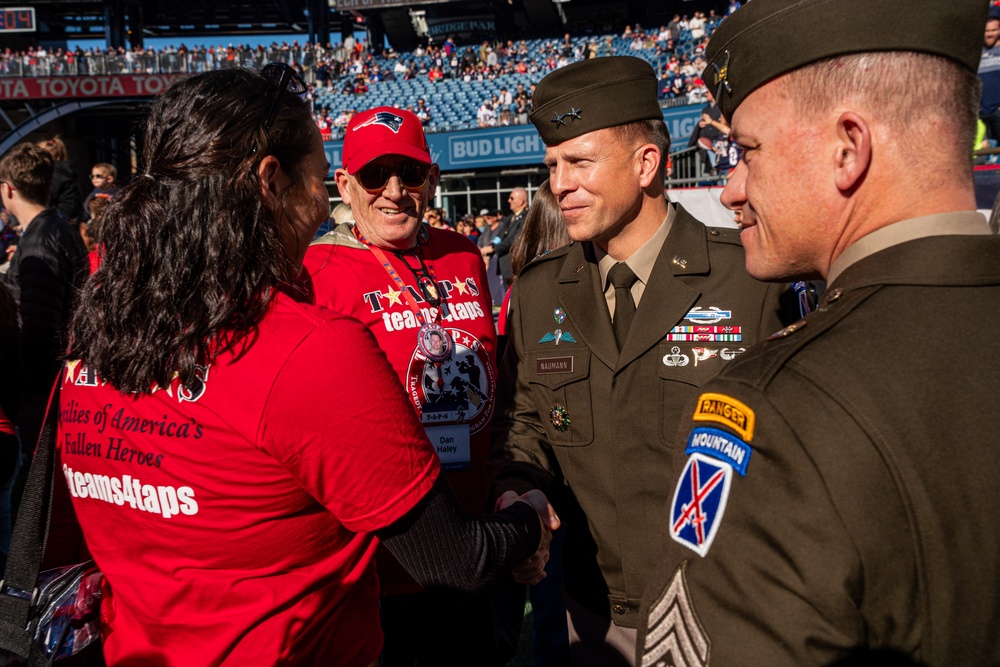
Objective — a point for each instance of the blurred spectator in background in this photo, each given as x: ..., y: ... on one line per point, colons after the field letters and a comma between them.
x: 435, y: 218
x: 487, y: 246
x: 467, y: 227
x: 710, y: 129
x: 65, y: 195
x: 697, y: 26
x: 102, y: 177
x: 90, y: 229
x: 8, y: 237
x: 488, y: 225
x: 510, y: 230
x: 423, y: 112
x: 989, y: 74
x: 486, y: 115
x: 45, y: 272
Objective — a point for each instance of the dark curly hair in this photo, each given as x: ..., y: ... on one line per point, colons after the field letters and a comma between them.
x: 189, y: 253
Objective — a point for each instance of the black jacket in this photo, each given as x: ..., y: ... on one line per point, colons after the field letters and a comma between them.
x: 66, y: 194
x: 510, y: 230
x: 10, y: 348
x: 45, y: 272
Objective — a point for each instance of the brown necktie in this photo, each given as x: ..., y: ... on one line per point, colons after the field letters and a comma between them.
x: 622, y: 278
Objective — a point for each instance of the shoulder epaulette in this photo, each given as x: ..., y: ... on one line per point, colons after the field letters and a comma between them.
x: 548, y: 255
x: 724, y: 235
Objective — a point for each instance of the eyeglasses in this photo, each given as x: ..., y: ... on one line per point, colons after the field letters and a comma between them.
x: 373, y: 177
x: 93, y: 176
x: 285, y: 78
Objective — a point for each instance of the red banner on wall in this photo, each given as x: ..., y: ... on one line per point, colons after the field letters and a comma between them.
x: 71, y: 87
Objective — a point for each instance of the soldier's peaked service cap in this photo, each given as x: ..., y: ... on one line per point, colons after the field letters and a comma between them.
x: 767, y: 38
x: 592, y: 95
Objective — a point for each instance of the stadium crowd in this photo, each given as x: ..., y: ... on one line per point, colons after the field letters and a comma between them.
x: 448, y: 86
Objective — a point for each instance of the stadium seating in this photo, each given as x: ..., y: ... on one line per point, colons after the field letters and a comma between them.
x: 453, y: 102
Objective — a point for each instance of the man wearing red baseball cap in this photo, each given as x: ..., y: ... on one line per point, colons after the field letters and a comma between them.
x: 423, y: 293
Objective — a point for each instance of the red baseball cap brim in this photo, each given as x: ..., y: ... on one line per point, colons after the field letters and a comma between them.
x: 383, y: 131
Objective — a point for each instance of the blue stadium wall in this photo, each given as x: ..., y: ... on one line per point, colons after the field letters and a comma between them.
x: 515, y: 145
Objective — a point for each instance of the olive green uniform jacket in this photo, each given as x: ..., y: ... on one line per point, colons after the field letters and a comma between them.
x: 574, y: 414
x: 869, y: 511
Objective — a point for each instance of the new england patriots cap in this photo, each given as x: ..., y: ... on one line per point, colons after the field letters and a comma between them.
x: 383, y: 131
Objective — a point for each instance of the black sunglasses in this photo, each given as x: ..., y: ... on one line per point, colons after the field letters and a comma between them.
x: 374, y: 177
x: 285, y: 78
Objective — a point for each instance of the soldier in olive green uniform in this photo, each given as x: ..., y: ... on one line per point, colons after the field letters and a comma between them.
x: 841, y: 493
x: 595, y: 376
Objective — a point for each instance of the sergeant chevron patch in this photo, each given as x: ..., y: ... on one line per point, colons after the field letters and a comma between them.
x: 674, y: 636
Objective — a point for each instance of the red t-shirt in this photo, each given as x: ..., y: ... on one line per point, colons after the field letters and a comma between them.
x: 455, y: 398
x: 232, y: 519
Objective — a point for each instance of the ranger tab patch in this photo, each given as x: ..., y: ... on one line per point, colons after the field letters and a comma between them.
x: 724, y: 446
x: 727, y: 411
x: 699, y: 502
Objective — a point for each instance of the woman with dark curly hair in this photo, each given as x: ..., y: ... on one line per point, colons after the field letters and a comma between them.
x: 231, y: 487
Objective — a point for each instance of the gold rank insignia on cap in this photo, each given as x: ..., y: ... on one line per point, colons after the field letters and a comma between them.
x: 727, y: 411
x: 722, y: 76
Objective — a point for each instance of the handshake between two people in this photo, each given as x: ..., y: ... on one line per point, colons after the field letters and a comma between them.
x: 532, y: 570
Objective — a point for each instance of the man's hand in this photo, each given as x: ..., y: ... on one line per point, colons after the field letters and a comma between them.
x: 532, y: 570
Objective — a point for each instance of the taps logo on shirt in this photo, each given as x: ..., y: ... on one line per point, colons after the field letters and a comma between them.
x: 80, y: 375
x: 458, y: 389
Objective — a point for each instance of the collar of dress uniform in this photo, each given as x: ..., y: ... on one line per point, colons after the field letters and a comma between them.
x: 959, y: 223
